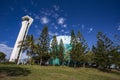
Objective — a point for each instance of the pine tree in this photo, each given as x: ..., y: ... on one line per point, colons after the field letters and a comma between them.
x: 61, y: 51
x: 85, y: 49
x: 115, y: 55
x: 73, y: 40
x: 80, y: 39
x: 44, y: 43
x: 79, y: 48
x: 116, y: 51
x: 89, y: 57
x: 44, y: 39
x: 103, y: 51
x: 78, y: 55
x: 54, y: 48
x: 73, y: 44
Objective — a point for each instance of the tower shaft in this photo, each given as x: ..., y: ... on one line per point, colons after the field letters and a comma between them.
x: 17, y: 51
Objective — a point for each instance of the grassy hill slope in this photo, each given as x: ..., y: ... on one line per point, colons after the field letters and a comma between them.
x: 35, y: 72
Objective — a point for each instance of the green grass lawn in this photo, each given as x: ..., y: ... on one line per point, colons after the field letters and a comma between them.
x: 36, y: 72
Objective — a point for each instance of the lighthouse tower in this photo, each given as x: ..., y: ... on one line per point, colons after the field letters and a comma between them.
x: 16, y: 53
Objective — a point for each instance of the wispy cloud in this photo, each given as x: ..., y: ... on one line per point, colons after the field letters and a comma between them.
x: 32, y: 3
x: 66, y: 32
x: 61, y: 20
x: 52, y: 16
x: 6, y: 49
x: 11, y: 8
x: 37, y: 17
x: 52, y: 34
x: 118, y: 28
x: 56, y: 7
x: 56, y: 33
x: 38, y: 31
x: 44, y: 20
x: 29, y: 13
x: 82, y: 26
x: 55, y: 27
x: 73, y: 25
x: 46, y: 12
x: 90, y: 30
x: 62, y: 30
x: 55, y: 15
x: 36, y: 26
x: 65, y: 25
x: 25, y: 10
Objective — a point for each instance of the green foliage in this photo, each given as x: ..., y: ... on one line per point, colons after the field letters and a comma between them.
x: 103, y: 51
x: 73, y: 40
x: 73, y: 44
x: 42, y: 46
x: 28, y: 46
x: 67, y: 56
x: 78, y: 54
x: 79, y: 48
x: 89, y: 57
x: 13, y: 71
x: 2, y: 56
x: 116, y: 51
x: 38, y: 52
x: 61, y: 51
x: 115, y: 56
x: 44, y: 40
x: 54, y: 48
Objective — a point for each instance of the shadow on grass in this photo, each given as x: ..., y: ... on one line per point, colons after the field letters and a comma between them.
x: 14, y: 71
x: 112, y: 71
x: 116, y: 72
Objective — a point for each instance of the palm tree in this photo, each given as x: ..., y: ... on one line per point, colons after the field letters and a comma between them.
x: 28, y: 45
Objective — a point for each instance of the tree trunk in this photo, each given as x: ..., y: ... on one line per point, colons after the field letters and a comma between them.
x: 41, y: 61
x: 28, y: 61
x: 62, y: 63
x: 74, y: 64
x: 53, y: 61
x: 109, y: 68
x: 84, y: 65
x: 68, y: 63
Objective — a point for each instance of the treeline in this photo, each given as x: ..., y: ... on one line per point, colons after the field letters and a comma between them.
x: 103, y: 54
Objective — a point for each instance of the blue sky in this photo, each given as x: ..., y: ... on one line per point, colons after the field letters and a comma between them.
x: 88, y: 16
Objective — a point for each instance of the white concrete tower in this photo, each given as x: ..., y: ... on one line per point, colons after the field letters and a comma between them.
x: 16, y: 53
